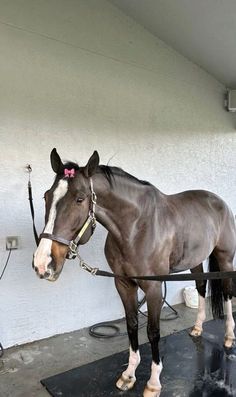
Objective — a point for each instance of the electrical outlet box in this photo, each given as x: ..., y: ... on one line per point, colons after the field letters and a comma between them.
x: 12, y: 243
x: 231, y: 101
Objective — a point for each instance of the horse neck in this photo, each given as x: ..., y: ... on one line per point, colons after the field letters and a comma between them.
x: 120, y: 205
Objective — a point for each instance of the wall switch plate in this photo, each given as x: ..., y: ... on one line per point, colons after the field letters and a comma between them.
x: 12, y: 243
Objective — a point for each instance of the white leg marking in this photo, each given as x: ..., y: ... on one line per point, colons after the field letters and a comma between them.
x: 127, y: 379
x: 42, y: 256
x: 154, y: 384
x: 201, y: 317
x: 134, y: 360
x: 229, y: 325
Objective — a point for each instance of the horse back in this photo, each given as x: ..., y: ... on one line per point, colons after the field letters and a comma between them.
x: 194, y: 223
x: 200, y: 206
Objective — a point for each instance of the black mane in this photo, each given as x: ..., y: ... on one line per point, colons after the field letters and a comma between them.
x: 111, y: 172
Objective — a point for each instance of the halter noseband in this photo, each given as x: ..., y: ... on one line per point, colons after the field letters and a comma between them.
x: 91, y: 220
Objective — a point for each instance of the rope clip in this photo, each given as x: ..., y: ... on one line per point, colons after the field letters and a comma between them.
x: 85, y: 266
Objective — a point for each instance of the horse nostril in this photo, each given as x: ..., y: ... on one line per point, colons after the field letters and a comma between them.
x: 52, y: 266
x: 46, y: 274
x: 41, y: 276
x: 36, y: 270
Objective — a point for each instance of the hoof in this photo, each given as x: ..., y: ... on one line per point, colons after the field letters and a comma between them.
x: 229, y: 342
x: 125, y: 382
x: 152, y: 391
x: 196, y: 331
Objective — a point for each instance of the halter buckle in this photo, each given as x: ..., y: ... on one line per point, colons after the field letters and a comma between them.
x: 73, y: 250
x: 94, y: 198
x: 92, y: 219
x: 73, y: 247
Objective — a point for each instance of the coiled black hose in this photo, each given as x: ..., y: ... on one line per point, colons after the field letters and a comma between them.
x: 1, y: 350
x: 115, y: 329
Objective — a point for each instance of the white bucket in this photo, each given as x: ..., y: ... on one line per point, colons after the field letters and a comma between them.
x: 191, y: 297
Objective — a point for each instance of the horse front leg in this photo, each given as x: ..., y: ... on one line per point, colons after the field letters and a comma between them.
x: 128, y: 293
x: 154, y: 305
x: 201, y: 314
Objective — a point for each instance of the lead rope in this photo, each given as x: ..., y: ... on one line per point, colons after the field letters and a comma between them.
x: 36, y: 237
x: 114, y: 329
x: 218, y: 275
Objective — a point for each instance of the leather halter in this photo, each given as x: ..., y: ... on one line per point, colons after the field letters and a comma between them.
x: 73, y: 244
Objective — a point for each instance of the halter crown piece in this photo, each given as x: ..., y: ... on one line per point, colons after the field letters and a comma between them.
x: 69, y: 173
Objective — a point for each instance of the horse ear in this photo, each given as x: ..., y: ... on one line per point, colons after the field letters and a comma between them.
x: 92, y: 164
x: 56, y: 162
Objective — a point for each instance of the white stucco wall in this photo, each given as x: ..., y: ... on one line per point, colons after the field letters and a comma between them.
x: 78, y: 76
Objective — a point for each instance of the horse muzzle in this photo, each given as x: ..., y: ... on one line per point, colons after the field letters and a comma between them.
x: 48, y: 274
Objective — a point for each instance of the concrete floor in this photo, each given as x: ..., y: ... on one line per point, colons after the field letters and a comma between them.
x: 22, y: 367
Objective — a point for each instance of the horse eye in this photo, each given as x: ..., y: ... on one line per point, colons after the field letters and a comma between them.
x: 79, y: 199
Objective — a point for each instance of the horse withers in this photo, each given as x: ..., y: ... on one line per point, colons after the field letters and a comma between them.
x: 149, y: 233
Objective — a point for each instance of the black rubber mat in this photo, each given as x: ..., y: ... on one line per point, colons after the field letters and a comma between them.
x: 192, y: 367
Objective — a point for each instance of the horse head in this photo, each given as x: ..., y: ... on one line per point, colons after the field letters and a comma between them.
x: 69, y: 215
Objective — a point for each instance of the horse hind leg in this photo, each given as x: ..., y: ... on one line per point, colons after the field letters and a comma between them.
x: 201, y: 314
x: 229, y: 325
x: 222, y: 292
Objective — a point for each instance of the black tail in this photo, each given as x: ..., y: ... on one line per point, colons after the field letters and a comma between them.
x: 234, y: 287
x: 216, y: 289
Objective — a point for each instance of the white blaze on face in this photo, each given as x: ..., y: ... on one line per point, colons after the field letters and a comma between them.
x: 42, y: 256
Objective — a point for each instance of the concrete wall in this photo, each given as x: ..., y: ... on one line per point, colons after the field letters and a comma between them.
x: 78, y: 76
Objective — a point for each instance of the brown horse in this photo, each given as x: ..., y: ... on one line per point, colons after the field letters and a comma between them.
x: 149, y: 233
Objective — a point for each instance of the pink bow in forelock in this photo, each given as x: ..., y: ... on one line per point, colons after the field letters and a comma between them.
x: 69, y: 173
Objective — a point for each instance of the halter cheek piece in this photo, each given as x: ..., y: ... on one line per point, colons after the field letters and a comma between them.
x: 91, y: 220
